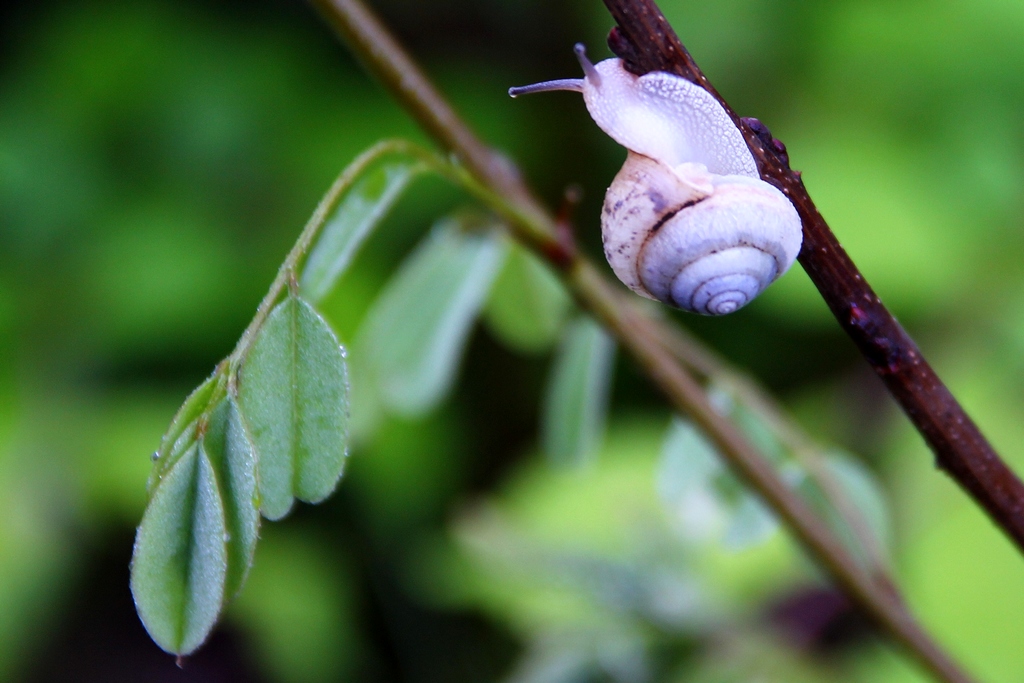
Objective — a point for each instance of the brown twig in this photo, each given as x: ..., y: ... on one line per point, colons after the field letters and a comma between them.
x: 646, y: 42
x: 641, y: 335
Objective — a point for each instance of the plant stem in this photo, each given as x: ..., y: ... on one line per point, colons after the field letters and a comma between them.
x: 381, y: 54
x: 646, y: 42
x: 316, y: 222
x: 641, y: 335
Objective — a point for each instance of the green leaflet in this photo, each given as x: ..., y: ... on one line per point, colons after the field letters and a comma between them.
x: 197, y: 538
x: 865, y: 494
x: 836, y: 484
x: 704, y: 498
x: 181, y: 434
x: 851, y: 501
x: 415, y: 332
x: 577, y: 395
x: 230, y: 451
x: 685, y: 474
x: 293, y: 394
x: 268, y: 426
x: 709, y: 501
x: 179, y: 562
x: 360, y: 210
x: 752, y: 523
x: 528, y: 304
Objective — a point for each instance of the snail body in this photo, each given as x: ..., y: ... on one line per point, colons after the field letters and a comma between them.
x: 687, y: 220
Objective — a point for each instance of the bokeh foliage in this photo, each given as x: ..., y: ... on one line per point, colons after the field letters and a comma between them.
x: 157, y: 159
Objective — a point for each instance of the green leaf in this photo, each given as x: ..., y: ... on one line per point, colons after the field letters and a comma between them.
x: 417, y: 328
x: 836, y: 484
x: 358, y: 213
x: 181, y: 435
x: 179, y: 563
x: 230, y: 450
x: 577, y: 395
x: 760, y: 434
x: 704, y: 497
x: 688, y: 460
x: 865, y: 494
x: 752, y: 523
x: 190, y: 410
x: 528, y: 304
x: 852, y: 502
x: 293, y: 394
x: 685, y: 480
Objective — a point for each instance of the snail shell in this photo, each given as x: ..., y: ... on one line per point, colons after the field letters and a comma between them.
x: 687, y: 220
x: 701, y: 242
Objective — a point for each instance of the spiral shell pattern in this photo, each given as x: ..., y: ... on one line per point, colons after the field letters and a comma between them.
x: 702, y: 242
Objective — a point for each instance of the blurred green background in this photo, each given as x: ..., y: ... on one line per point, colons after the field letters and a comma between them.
x: 157, y: 159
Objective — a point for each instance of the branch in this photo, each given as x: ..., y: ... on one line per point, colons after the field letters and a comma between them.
x: 641, y: 335
x: 646, y: 42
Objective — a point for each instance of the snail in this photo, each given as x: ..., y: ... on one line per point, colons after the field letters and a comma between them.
x: 687, y: 220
